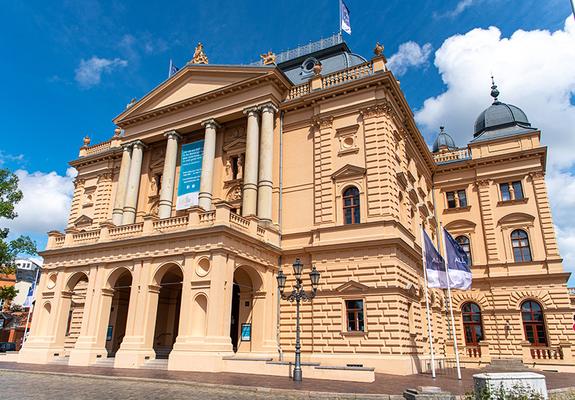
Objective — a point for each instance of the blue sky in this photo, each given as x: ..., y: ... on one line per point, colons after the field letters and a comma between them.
x: 51, y: 99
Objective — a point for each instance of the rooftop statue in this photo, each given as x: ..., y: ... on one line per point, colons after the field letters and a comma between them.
x: 268, y: 58
x: 199, y: 55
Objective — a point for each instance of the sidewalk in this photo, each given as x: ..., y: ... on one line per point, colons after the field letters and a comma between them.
x: 384, y: 383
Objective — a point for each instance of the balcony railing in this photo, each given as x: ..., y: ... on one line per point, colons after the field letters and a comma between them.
x: 452, y: 155
x: 555, y: 355
x: 195, y: 219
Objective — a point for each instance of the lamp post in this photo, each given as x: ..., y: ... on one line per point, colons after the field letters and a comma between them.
x: 298, y: 294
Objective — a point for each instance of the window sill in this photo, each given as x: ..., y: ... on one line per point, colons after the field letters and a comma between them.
x: 457, y: 209
x: 354, y: 333
x: 510, y: 202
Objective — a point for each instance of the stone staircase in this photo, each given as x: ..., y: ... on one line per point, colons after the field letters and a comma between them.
x: 161, y: 364
x: 107, y: 362
x: 59, y: 360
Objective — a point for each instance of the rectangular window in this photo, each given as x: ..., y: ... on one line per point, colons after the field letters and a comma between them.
x: 517, y: 190
x: 451, y: 203
x: 462, y: 198
x: 505, y: 192
x: 354, y: 311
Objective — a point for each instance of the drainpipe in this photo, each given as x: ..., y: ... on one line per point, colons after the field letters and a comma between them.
x: 280, y: 203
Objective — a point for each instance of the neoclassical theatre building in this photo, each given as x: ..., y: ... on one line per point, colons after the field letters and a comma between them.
x: 223, y: 174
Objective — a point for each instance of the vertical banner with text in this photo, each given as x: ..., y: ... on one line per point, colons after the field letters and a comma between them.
x: 190, y: 172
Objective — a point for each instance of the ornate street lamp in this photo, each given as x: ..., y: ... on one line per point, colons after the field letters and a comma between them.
x: 298, y: 294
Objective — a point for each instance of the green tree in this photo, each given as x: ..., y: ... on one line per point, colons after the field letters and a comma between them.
x: 7, y: 293
x: 9, y: 249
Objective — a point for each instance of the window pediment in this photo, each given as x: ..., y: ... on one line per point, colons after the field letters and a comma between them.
x: 352, y: 286
x: 516, y: 218
x: 348, y: 171
x: 82, y: 221
x: 460, y: 225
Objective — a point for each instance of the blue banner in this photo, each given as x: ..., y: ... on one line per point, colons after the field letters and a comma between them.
x: 190, y: 173
x: 434, y: 264
x: 457, y: 264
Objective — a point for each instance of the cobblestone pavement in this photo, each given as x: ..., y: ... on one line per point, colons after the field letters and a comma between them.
x: 23, y: 386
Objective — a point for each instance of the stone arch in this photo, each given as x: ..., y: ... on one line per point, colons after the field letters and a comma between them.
x: 516, y: 218
x: 460, y: 225
x: 116, y: 274
x: 74, y: 279
x: 163, y: 268
x: 460, y: 298
x: 200, y: 314
x: 519, y: 296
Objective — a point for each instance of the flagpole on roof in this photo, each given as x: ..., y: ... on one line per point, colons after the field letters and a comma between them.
x: 339, y: 5
x: 573, y: 7
x: 170, y: 69
x: 450, y: 305
x: 429, y: 329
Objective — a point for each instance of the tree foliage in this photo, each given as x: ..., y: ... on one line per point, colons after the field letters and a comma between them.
x: 10, y: 249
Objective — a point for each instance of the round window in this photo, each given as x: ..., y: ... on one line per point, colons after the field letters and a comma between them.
x: 348, y: 142
x: 308, y: 64
x: 203, y: 267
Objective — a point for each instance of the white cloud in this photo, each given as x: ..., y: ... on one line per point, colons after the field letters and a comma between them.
x: 459, y: 8
x: 409, y: 54
x: 534, y: 71
x: 6, y: 157
x: 89, y: 72
x: 46, y: 202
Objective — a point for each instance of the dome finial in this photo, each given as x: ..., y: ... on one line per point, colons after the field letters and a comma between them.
x: 494, y: 91
x: 441, y: 129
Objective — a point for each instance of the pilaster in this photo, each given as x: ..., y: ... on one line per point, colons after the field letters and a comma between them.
x: 323, y: 187
x: 542, y: 201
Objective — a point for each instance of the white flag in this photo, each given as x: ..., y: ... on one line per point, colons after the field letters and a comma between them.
x: 344, y: 17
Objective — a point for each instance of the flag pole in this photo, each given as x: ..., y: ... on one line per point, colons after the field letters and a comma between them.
x: 339, y: 5
x: 170, y: 69
x: 450, y: 305
x: 429, y: 329
x: 31, y: 309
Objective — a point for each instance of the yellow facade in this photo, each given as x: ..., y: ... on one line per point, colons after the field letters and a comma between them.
x: 181, y: 285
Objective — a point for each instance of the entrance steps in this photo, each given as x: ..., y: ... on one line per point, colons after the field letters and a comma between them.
x: 161, y: 364
x: 107, y: 362
x: 162, y: 352
x: 60, y: 360
x: 267, y: 366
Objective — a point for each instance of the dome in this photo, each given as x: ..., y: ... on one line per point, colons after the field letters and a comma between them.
x: 499, y: 115
x: 443, y: 141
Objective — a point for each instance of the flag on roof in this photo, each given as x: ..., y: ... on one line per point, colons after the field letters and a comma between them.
x: 344, y: 23
x: 173, y: 69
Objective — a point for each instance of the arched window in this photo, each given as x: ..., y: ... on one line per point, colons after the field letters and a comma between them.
x: 351, y: 205
x: 533, y: 323
x: 465, y: 245
x: 472, y: 325
x: 520, y: 244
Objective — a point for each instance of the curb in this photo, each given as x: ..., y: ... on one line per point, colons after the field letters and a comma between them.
x: 249, y: 389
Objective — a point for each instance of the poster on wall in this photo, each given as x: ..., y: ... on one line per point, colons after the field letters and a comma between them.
x: 246, y: 332
x: 190, y: 172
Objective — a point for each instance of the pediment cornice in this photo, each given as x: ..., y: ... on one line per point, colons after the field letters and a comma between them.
x: 261, y: 75
x: 348, y: 171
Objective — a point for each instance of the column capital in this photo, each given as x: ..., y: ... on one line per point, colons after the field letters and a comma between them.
x: 268, y: 107
x: 127, y: 146
x: 170, y: 134
x: 251, y: 110
x: 210, y: 123
x: 138, y: 143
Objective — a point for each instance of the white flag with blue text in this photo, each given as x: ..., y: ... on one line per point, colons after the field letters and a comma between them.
x: 344, y: 23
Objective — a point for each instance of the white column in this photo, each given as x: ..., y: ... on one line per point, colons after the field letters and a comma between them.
x: 250, y: 190
x: 121, y: 185
x: 266, y: 162
x: 207, y: 177
x: 169, y: 175
x: 131, y: 202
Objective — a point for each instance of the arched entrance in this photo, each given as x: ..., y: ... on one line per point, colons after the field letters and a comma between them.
x: 77, y: 287
x: 246, y: 283
x: 168, y: 314
x: 121, y: 283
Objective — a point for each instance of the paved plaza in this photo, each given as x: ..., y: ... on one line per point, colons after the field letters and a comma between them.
x: 29, y: 381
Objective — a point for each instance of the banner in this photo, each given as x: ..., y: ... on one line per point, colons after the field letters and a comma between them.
x: 434, y: 265
x: 190, y: 172
x: 457, y: 264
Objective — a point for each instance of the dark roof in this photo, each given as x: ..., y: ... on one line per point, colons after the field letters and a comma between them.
x: 443, y: 140
x: 500, y: 120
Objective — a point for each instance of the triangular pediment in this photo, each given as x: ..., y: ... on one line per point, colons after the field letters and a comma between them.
x: 351, y: 286
x: 82, y: 221
x: 348, y: 171
x: 191, y: 81
x: 236, y: 144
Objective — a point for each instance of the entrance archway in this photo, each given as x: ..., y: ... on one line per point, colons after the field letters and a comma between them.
x: 121, y: 282
x: 246, y: 283
x: 168, y: 312
x: 77, y: 287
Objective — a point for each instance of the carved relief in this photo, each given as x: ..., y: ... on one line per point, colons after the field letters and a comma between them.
x: 347, y: 139
x: 234, y: 194
x: 322, y: 122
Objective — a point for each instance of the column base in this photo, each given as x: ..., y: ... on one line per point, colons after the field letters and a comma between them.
x: 86, y: 357
x: 133, y: 358
x: 31, y: 355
